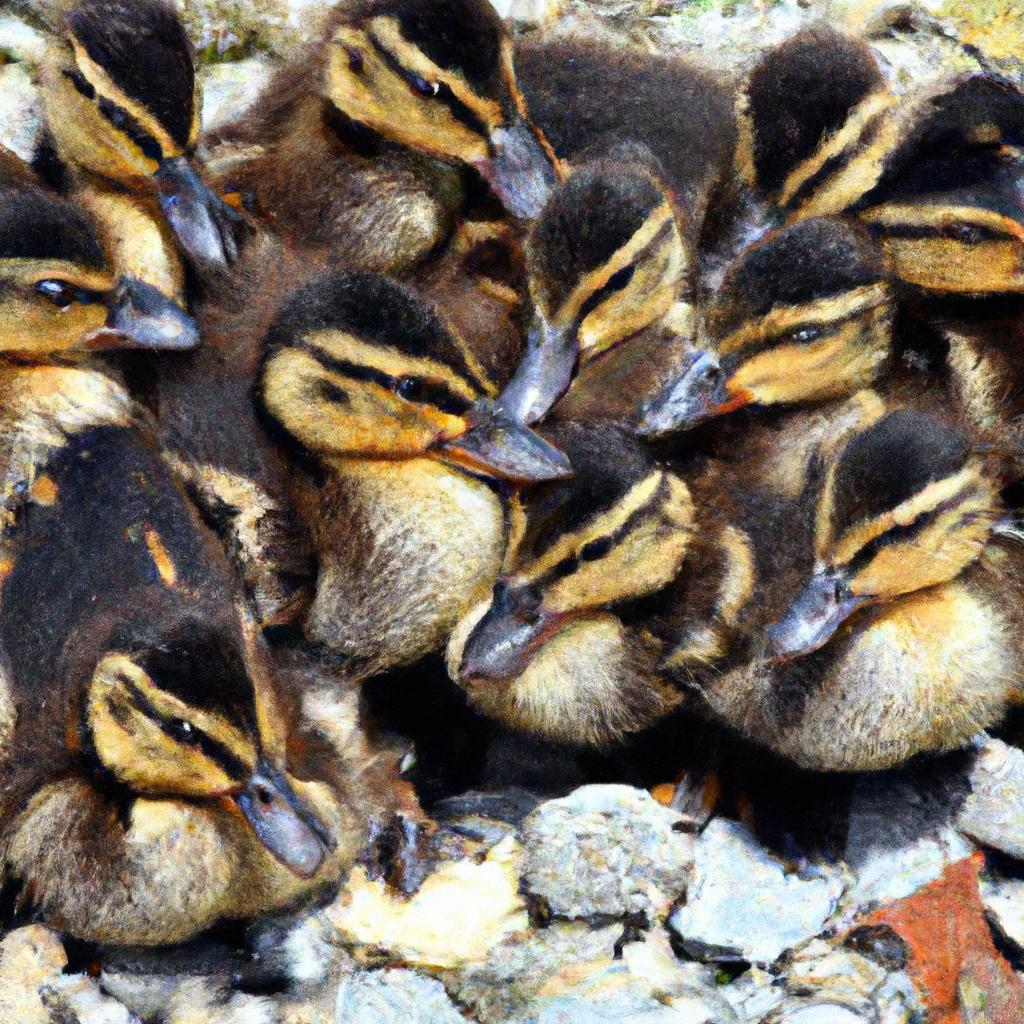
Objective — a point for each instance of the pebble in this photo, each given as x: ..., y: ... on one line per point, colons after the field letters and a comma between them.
x: 993, y: 813
x: 372, y: 997
x: 744, y: 906
x: 1004, y: 907
x: 29, y: 958
x: 606, y: 851
x: 78, y: 999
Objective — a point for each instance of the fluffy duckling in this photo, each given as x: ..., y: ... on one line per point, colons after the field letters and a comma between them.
x: 930, y: 173
x: 583, y: 95
x: 407, y: 460
x: 601, y: 570
x: 122, y: 114
x: 369, y: 145
x: 608, y: 265
x: 906, y: 636
x: 147, y: 791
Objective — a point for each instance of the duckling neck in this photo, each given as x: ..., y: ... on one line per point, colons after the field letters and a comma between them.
x: 406, y: 548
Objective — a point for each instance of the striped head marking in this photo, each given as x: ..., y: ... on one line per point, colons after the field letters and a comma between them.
x: 438, y: 77
x: 357, y: 366
x: 120, y: 89
x: 617, y: 532
x: 905, y: 506
x: 802, y: 316
x: 606, y: 257
x: 182, y: 721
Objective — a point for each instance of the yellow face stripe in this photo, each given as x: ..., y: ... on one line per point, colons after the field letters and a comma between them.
x: 940, y: 217
x: 105, y: 87
x: 590, y: 284
x: 782, y: 320
x: 161, y: 557
x: 386, y: 33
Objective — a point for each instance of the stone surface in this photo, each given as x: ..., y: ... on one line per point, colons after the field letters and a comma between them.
x: 743, y: 905
x: 993, y: 813
x: 1004, y: 908
x: 230, y: 89
x: 29, y: 958
x: 371, y: 997
x: 606, y: 851
x: 78, y: 999
x: 19, y: 110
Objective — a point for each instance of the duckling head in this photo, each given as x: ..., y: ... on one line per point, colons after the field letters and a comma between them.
x: 802, y: 316
x: 790, y: 147
x: 119, y: 91
x: 549, y: 651
x: 357, y: 366
x: 183, y: 719
x: 437, y: 76
x: 57, y: 295
x: 906, y: 505
x: 606, y: 260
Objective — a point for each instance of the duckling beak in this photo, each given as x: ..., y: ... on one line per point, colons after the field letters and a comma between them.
x: 499, y: 447
x: 141, y: 316
x: 206, y: 226
x: 544, y: 374
x: 813, y: 618
x: 700, y: 394
x: 505, y: 640
x: 282, y: 823
x: 518, y: 170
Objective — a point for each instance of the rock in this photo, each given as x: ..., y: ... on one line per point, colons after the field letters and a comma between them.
x: 230, y: 90
x: 606, y: 851
x: 1004, y: 908
x: 78, y: 999
x: 29, y: 958
x: 993, y: 813
x: 19, y: 110
x: 457, y: 915
x: 753, y: 994
x: 816, y: 1012
x: 371, y: 997
x: 19, y: 40
x: 743, y: 905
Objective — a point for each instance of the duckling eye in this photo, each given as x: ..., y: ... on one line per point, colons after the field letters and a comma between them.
x: 423, y: 87
x: 620, y: 279
x: 60, y: 293
x: 804, y: 335
x: 410, y: 388
x: 184, y: 730
x: 967, y: 234
x: 356, y: 62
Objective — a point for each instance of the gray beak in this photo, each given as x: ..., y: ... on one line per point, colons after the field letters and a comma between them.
x: 813, y: 617
x: 696, y: 396
x: 519, y: 171
x: 282, y: 823
x: 141, y: 316
x: 543, y: 376
x: 504, y: 641
x: 206, y: 226
x: 499, y: 447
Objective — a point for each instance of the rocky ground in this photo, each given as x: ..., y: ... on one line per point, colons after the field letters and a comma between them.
x: 606, y: 905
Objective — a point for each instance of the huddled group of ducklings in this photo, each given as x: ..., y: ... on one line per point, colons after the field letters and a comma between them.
x: 629, y: 387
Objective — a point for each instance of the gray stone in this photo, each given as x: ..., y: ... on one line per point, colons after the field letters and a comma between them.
x: 229, y: 90
x: 743, y: 905
x: 371, y: 997
x: 78, y: 999
x: 19, y: 110
x: 19, y: 40
x: 807, y: 1012
x: 606, y: 851
x: 993, y: 813
x: 1004, y: 907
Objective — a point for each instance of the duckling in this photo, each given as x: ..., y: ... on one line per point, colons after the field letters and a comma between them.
x: 122, y: 116
x: 368, y: 147
x: 932, y: 174
x: 569, y: 643
x: 906, y: 635
x: 402, y: 459
x: 147, y: 791
x: 609, y: 267
x: 585, y: 95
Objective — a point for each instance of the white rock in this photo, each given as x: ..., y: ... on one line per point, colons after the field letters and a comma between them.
x: 816, y: 1013
x: 1004, y: 906
x: 606, y: 851
x: 742, y: 904
x: 78, y: 999
x: 19, y: 110
x: 29, y: 958
x: 374, y: 997
x: 993, y: 813
x: 19, y: 40
x: 231, y: 89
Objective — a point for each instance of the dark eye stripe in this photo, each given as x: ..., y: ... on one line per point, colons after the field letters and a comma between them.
x: 430, y: 392
x: 975, y: 234
x: 81, y: 83
x: 459, y: 110
x: 232, y: 766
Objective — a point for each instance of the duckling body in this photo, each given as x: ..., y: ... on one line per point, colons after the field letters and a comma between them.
x: 904, y: 645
